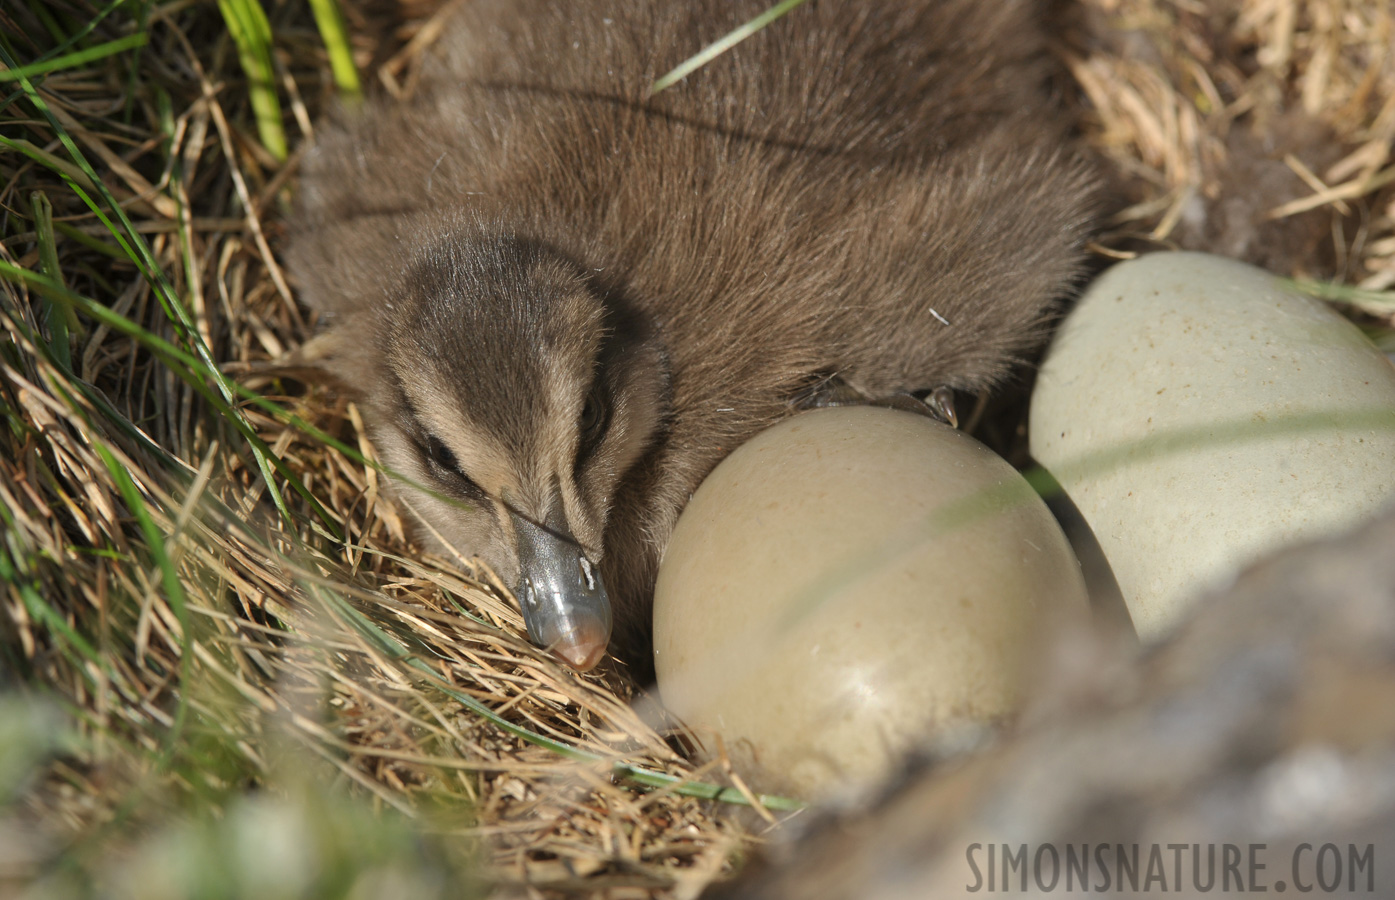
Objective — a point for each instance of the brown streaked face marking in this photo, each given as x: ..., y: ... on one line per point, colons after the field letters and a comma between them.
x: 515, y: 388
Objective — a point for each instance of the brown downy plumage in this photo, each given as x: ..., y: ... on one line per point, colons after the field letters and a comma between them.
x: 564, y: 301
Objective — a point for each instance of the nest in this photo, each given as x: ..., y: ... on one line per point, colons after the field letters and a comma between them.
x: 219, y: 642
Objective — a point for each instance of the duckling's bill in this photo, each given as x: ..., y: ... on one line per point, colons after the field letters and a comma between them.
x: 560, y: 591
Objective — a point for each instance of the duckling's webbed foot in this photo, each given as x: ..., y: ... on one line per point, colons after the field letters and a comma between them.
x: 938, y: 404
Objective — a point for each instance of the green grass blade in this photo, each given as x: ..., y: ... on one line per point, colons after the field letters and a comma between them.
x: 703, y: 790
x: 330, y: 22
x: 79, y: 58
x: 189, y: 369
x: 88, y: 241
x: 144, y: 260
x: 66, y: 42
x: 15, y: 573
x: 395, y: 650
x: 154, y: 538
x: 52, y: 620
x: 133, y: 64
x: 46, y: 159
x: 722, y: 45
x: 51, y: 24
x: 59, y: 319
x: 1343, y: 293
x: 186, y: 367
x: 251, y: 32
x: 174, y: 593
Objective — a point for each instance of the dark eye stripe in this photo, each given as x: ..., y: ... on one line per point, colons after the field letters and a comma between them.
x: 435, y: 455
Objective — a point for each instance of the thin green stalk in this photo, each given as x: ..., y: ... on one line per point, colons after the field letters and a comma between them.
x: 722, y: 45
x: 88, y: 241
x: 72, y: 60
x: 1342, y: 293
x: 51, y: 620
x: 227, y: 518
x: 10, y: 98
x: 133, y: 64
x: 995, y: 499
x: 46, y: 159
x: 174, y: 593
x: 50, y: 23
x: 251, y: 32
x: 59, y: 319
x: 391, y: 647
x: 330, y: 21
x: 99, y: 402
x: 14, y: 572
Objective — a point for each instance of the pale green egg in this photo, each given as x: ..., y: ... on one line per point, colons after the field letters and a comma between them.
x: 847, y: 584
x: 1201, y: 414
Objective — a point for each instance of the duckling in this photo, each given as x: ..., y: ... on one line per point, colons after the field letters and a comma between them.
x: 564, y: 299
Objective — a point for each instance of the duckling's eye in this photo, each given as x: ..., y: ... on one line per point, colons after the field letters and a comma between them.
x: 593, y: 419
x: 441, y: 455
x: 444, y: 465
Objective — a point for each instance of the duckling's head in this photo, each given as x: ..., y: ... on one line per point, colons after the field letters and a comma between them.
x: 516, y: 393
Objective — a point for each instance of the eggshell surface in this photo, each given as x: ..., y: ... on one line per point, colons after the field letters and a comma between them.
x: 845, y: 583
x: 1200, y: 414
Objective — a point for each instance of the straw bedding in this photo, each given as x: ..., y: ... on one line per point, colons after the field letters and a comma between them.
x: 218, y: 636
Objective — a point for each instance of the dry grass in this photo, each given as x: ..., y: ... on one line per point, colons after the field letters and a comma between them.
x: 1236, y: 123
x: 207, y: 628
